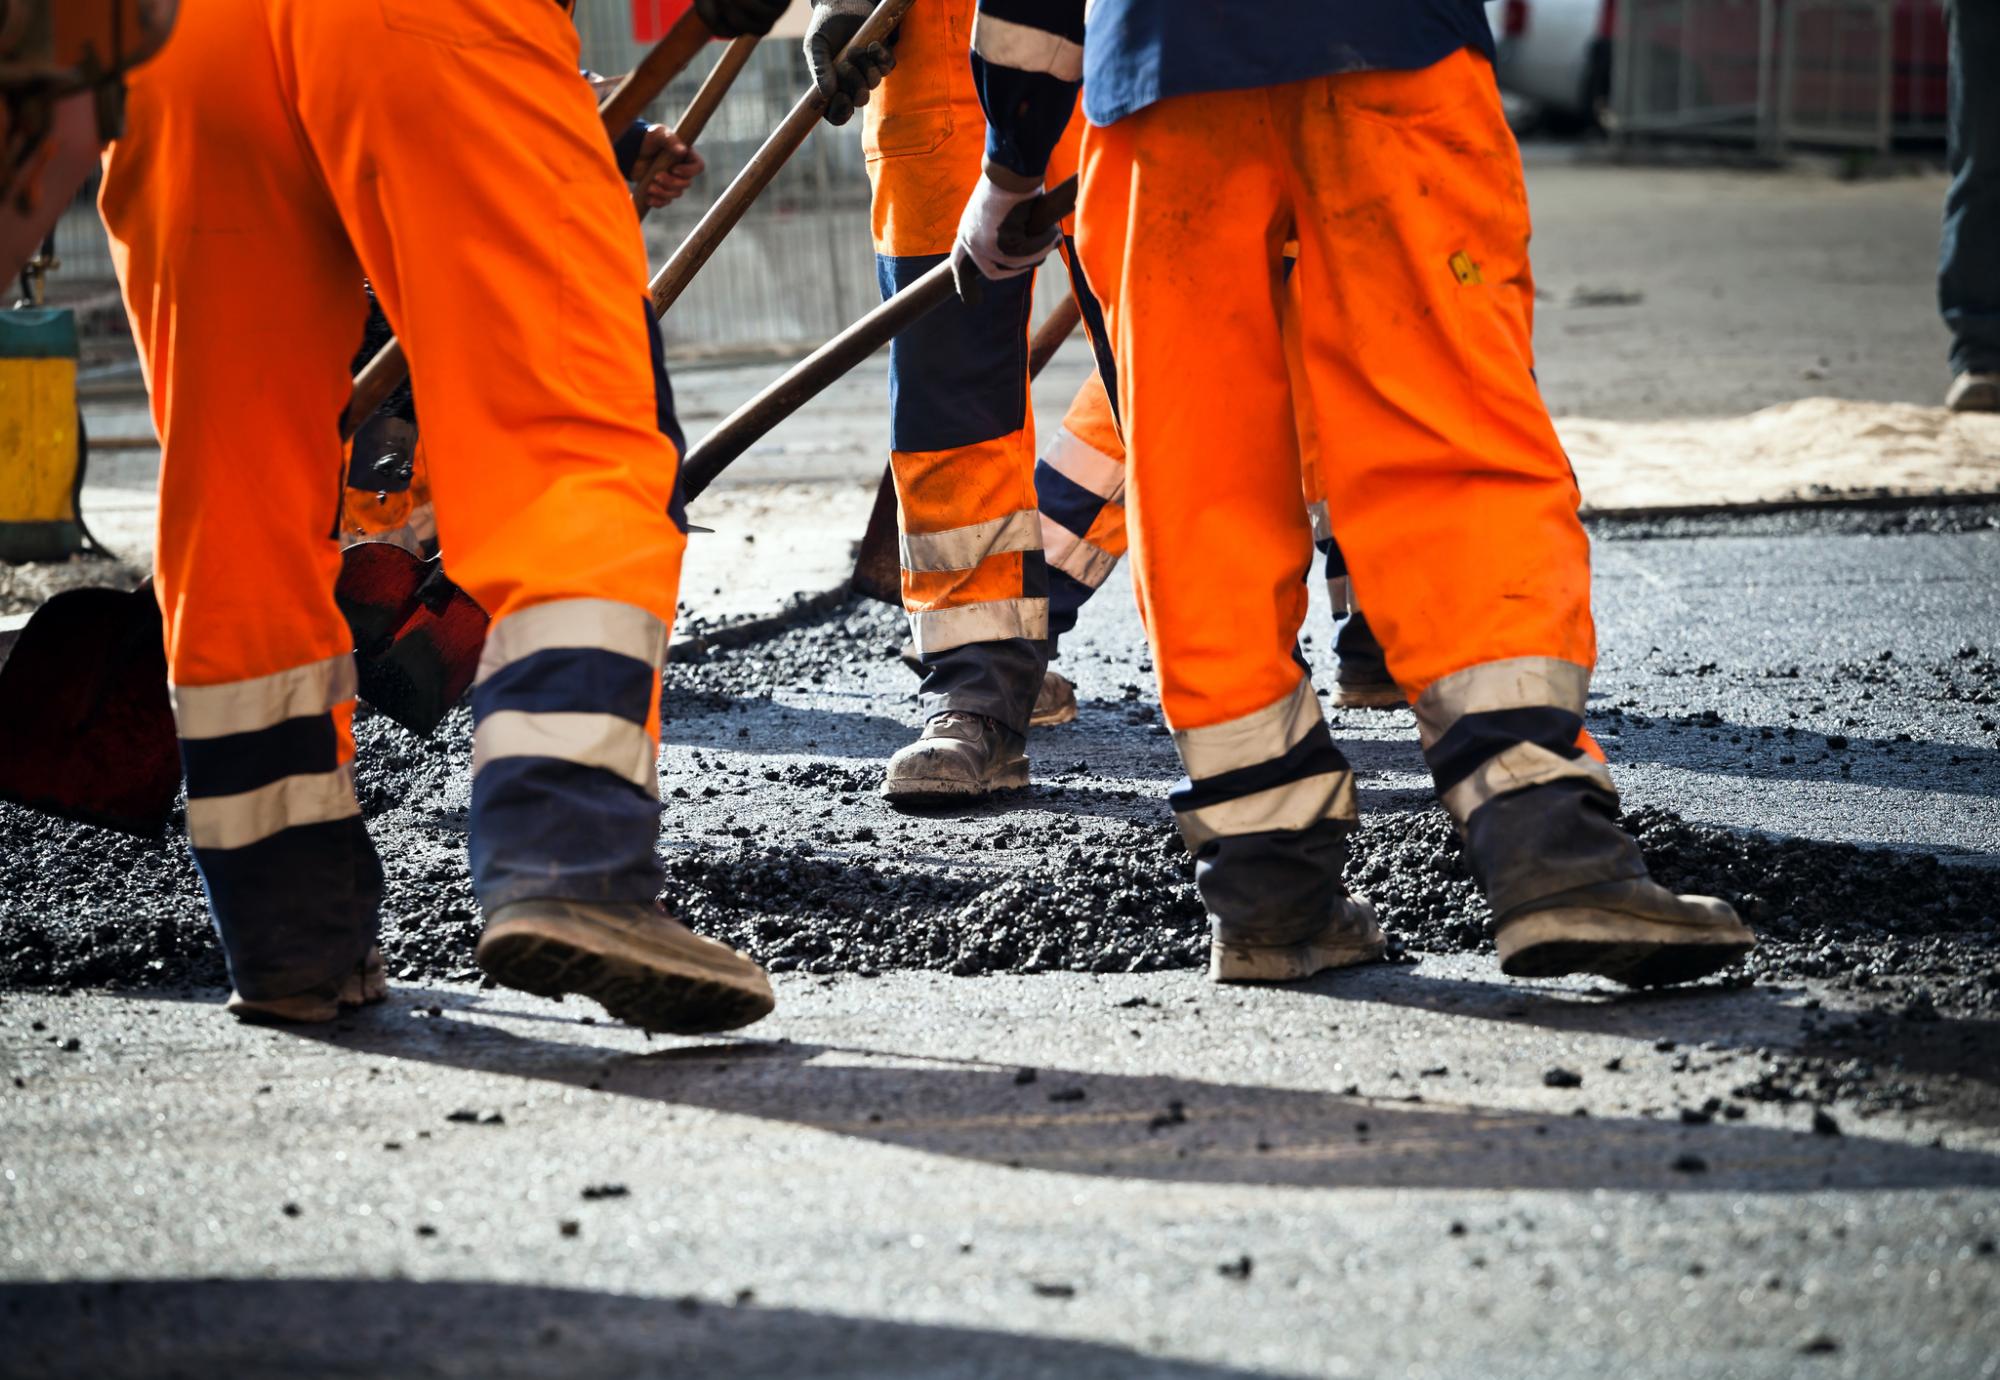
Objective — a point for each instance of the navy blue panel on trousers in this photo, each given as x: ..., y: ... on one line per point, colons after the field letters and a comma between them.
x: 1063, y: 499
x: 240, y: 762
x: 663, y: 409
x: 568, y: 679
x: 957, y: 376
x: 565, y: 796
x: 1478, y: 738
x: 1313, y: 755
x: 1093, y: 324
x: 544, y: 827
x: 1067, y: 596
x: 294, y: 909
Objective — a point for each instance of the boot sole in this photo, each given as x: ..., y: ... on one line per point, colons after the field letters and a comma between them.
x: 1624, y: 948
x: 659, y: 986
x: 951, y: 791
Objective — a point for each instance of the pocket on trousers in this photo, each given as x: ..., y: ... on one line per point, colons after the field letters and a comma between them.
x: 912, y: 111
x: 1410, y: 97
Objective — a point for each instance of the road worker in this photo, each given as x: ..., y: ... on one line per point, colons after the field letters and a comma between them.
x: 276, y: 154
x: 1372, y: 133
x: 975, y: 575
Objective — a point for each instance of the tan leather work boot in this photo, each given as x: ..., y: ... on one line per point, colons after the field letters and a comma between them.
x: 642, y: 965
x: 1635, y: 932
x: 1352, y: 936
x: 1055, y: 702
x: 365, y: 985
x: 960, y: 757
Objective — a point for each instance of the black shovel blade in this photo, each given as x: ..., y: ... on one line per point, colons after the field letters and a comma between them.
x: 86, y: 728
x: 878, y: 564
x: 417, y: 636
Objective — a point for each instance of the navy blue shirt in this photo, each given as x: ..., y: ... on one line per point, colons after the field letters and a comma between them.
x: 1028, y: 55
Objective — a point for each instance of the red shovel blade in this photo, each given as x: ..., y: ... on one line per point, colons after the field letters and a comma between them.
x: 417, y: 636
x: 86, y: 729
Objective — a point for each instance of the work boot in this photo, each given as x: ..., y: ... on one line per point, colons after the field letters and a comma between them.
x: 1361, y: 674
x: 364, y: 985
x: 960, y: 757
x: 1633, y: 931
x: 1055, y: 702
x: 1974, y: 391
x: 1352, y: 936
x: 642, y: 965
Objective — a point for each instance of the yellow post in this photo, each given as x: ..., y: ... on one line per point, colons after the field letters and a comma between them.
x: 40, y: 460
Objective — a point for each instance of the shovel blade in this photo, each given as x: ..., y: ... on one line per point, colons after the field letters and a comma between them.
x: 417, y: 636
x: 878, y: 564
x: 86, y: 728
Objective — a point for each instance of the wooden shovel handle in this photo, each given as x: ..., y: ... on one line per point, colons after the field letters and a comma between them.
x: 379, y: 377
x: 695, y: 118
x: 805, y: 380
x: 720, y: 218
x: 1056, y: 327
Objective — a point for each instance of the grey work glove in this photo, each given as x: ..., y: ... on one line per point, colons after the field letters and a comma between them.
x: 996, y: 240
x: 735, y: 18
x: 844, y: 84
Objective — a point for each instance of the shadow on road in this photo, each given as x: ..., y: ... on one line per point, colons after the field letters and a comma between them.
x: 1172, y: 1129
x: 1733, y: 1018
x: 321, y: 1327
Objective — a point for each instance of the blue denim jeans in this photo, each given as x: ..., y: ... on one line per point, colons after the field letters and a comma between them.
x: 1969, y: 261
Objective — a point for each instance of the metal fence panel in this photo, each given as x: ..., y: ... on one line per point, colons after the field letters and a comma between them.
x: 800, y: 266
x: 1769, y: 73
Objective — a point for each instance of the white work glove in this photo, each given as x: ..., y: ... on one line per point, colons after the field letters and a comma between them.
x: 994, y: 241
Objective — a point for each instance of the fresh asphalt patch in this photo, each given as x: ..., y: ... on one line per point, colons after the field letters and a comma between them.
x: 775, y: 841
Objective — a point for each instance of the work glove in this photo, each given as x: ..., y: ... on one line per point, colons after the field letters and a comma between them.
x: 995, y: 240
x: 735, y: 18
x: 664, y: 169
x: 844, y: 84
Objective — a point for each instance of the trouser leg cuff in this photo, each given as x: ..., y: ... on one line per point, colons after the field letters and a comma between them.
x: 1540, y: 842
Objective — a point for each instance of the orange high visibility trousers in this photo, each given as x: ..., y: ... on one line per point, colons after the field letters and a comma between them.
x: 276, y: 153
x: 1445, y: 485
x: 962, y: 435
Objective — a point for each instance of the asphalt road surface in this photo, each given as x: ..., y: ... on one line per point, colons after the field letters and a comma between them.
x: 1419, y: 1170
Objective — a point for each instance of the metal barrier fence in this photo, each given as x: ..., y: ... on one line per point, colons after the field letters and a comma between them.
x: 1773, y: 74
x: 800, y: 266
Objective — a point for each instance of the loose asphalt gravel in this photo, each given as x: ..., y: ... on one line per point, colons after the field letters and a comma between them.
x: 1774, y: 689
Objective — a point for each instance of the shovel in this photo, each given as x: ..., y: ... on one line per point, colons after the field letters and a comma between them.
x: 695, y: 118
x: 811, y: 376
x: 878, y: 562
x: 785, y: 140
x: 86, y: 727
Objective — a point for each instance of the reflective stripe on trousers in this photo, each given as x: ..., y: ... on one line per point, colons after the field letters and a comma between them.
x: 1504, y: 726
x: 1275, y: 770
x: 266, y: 754
x: 565, y: 748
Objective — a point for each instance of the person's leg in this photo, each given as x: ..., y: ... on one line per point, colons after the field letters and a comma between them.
x: 1969, y: 264
x: 1221, y: 548
x: 1456, y: 509
x: 512, y: 269
x: 1080, y: 489
x: 961, y: 434
x: 246, y: 302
